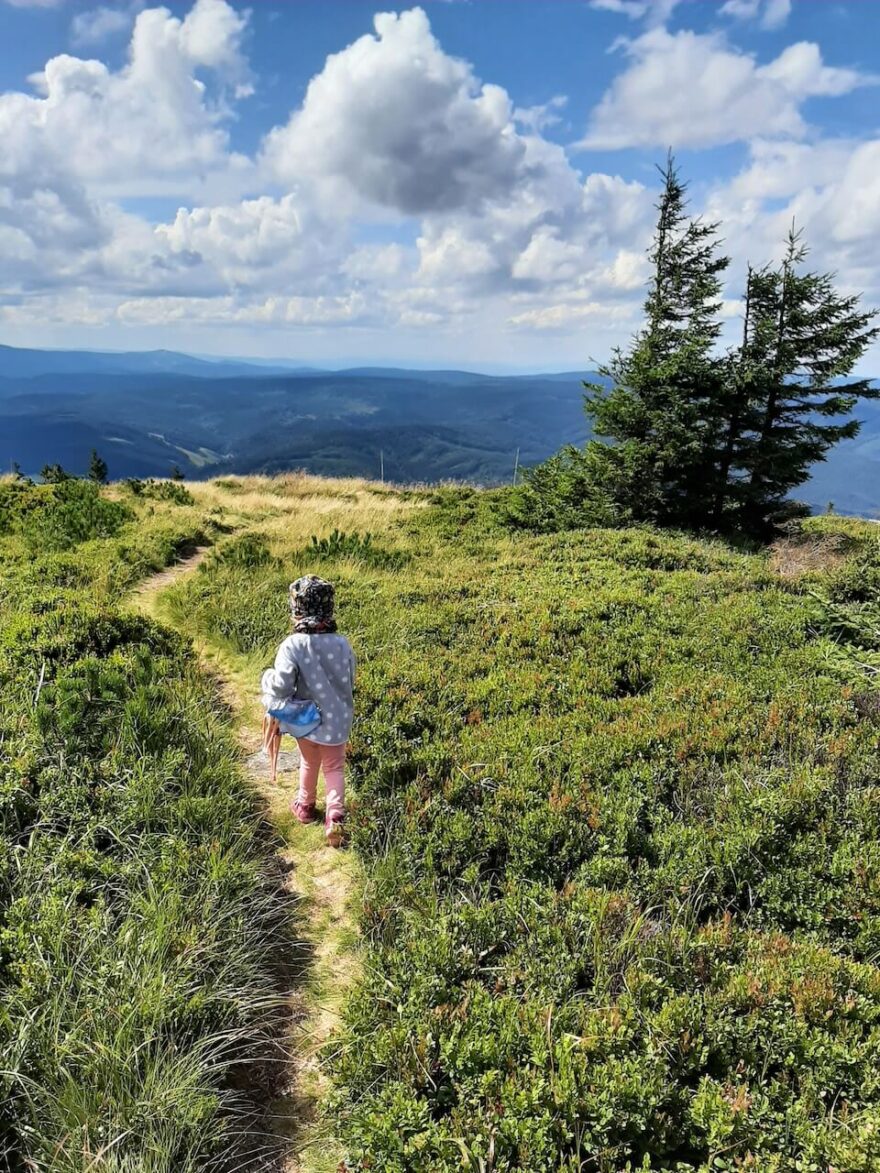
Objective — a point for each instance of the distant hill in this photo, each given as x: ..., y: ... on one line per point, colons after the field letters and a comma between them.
x: 16, y: 362
x: 145, y: 411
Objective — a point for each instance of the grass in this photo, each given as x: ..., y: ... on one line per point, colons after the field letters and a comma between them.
x: 264, y: 518
x: 141, y: 924
x: 615, y: 845
x: 616, y: 804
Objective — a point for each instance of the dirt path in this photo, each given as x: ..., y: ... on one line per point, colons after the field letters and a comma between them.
x: 321, y: 882
x: 146, y: 593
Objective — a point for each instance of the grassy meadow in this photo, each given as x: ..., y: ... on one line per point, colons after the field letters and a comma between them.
x: 140, y: 926
x: 616, y: 806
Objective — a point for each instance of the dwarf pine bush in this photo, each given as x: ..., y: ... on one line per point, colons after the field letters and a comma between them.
x: 58, y: 516
x: 617, y: 801
x: 138, y: 923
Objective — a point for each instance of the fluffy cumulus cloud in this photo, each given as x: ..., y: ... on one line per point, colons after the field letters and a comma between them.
x: 279, y: 244
x: 94, y: 25
x: 404, y: 194
x: 398, y: 123
x: 830, y: 189
x: 153, y: 121
x: 91, y: 133
x: 696, y: 90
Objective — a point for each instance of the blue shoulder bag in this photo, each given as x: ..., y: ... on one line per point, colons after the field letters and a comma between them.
x: 299, y: 718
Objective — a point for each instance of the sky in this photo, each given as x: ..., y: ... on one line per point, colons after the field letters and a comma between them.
x: 462, y: 183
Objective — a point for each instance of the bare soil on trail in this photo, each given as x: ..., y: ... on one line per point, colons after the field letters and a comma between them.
x: 322, y: 884
x: 156, y: 583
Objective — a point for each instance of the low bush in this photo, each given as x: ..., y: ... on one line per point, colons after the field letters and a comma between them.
x: 616, y: 796
x: 248, y: 551
x: 358, y: 547
x: 59, y: 516
x: 139, y: 917
x: 160, y: 491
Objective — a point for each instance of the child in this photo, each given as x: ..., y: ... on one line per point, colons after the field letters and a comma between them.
x: 317, y: 664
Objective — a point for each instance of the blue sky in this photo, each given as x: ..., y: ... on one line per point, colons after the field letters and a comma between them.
x: 460, y: 183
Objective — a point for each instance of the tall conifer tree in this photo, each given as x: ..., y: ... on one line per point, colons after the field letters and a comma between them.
x: 792, y: 400
x: 662, y: 411
x: 97, y: 468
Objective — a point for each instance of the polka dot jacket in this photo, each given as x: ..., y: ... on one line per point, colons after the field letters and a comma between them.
x: 318, y: 668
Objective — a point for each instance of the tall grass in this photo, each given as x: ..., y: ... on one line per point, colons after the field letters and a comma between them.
x: 141, y: 927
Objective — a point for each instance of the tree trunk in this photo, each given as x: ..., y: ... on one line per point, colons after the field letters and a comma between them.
x: 735, y: 416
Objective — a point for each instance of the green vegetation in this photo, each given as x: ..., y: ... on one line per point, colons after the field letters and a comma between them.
x: 58, y: 515
x: 359, y: 547
x: 139, y: 922
x: 616, y: 801
x: 617, y: 807
x: 97, y: 468
x: 160, y: 490
x: 700, y: 439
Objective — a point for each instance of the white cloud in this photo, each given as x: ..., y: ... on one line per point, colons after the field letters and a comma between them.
x: 655, y: 11
x: 153, y: 119
x: 565, y: 315
x: 780, y: 169
x: 451, y: 253
x: 97, y: 24
x: 351, y: 309
x: 770, y: 14
x: 627, y: 273
x: 500, y: 209
x: 829, y: 189
x: 499, y: 236
x: 537, y: 118
x: 394, y: 121
x: 257, y: 244
x: 370, y: 263
x: 393, y: 124
x: 695, y: 90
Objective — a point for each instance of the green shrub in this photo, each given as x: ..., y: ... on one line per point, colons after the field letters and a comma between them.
x: 61, y: 515
x: 358, y: 547
x: 160, y: 491
x: 248, y: 551
x: 564, y: 492
x: 139, y: 922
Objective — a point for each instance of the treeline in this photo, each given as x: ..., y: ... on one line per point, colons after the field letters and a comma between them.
x: 692, y: 437
x: 56, y: 474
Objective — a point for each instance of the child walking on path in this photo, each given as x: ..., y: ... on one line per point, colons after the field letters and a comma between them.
x: 316, y: 664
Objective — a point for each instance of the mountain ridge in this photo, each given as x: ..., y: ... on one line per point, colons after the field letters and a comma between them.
x: 146, y: 411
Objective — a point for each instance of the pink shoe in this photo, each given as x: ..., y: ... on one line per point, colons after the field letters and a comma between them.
x: 334, y: 831
x: 304, y: 812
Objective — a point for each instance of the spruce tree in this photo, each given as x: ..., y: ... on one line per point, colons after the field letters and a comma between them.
x: 97, y: 468
x: 790, y: 396
x: 54, y: 474
x: 662, y: 411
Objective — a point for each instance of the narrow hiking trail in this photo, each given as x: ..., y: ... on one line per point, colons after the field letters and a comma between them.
x: 321, y: 883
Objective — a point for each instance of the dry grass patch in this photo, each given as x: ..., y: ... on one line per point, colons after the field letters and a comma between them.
x: 792, y: 557
x: 293, y: 507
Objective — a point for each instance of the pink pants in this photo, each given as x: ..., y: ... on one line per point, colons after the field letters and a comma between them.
x: 312, y: 757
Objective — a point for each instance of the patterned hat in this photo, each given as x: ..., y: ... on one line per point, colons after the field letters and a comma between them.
x: 311, y: 604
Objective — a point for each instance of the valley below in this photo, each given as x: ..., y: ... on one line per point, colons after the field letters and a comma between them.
x: 146, y: 413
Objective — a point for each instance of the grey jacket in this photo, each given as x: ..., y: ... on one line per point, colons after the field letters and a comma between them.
x: 318, y: 668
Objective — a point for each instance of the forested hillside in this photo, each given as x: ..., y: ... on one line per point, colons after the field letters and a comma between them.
x: 147, y: 412
x: 615, y: 796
